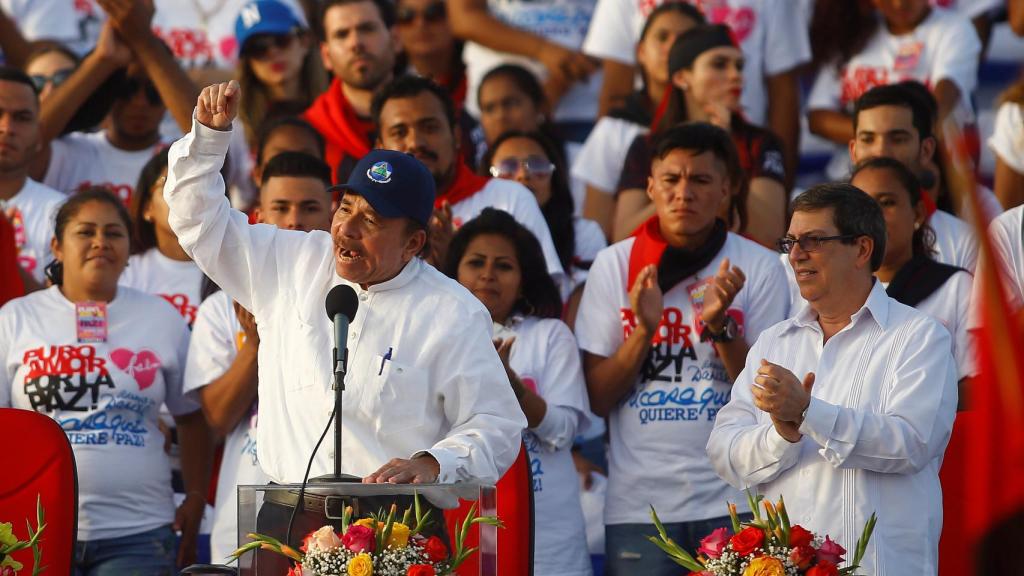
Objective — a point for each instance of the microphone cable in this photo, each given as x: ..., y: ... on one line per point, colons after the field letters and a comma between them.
x: 305, y: 478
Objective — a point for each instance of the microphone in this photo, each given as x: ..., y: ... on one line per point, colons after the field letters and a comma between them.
x: 341, y: 305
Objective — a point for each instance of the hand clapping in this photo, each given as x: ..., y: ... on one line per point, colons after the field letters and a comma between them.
x: 778, y: 392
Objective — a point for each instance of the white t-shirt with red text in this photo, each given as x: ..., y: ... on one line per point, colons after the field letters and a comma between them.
x: 659, y: 430
x: 1007, y: 140
x: 81, y: 159
x: 969, y: 8
x: 943, y: 47
x: 216, y: 338
x: 772, y: 37
x: 547, y: 361
x: 106, y: 397
x: 178, y: 282
x: 31, y: 212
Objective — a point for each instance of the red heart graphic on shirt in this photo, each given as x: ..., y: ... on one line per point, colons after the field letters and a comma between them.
x: 227, y: 47
x: 741, y: 21
x: 141, y: 366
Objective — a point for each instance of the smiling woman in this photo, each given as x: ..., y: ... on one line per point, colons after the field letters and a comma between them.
x: 101, y: 359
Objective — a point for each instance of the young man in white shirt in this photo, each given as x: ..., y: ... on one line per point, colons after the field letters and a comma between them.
x: 846, y: 408
x: 221, y: 367
x: 426, y: 398
x: 27, y: 204
x: 416, y: 116
x: 664, y: 325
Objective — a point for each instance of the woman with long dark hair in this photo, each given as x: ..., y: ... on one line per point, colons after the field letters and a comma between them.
x: 706, y: 70
x: 502, y: 264
x: 101, y: 359
x: 532, y: 159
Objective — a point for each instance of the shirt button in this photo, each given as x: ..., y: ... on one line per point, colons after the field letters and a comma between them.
x: 330, y: 454
x: 355, y: 335
x: 363, y: 296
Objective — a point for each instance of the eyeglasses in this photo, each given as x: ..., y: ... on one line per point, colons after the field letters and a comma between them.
x: 809, y: 243
x: 432, y: 14
x: 40, y: 81
x: 259, y: 45
x: 534, y: 166
x: 131, y: 86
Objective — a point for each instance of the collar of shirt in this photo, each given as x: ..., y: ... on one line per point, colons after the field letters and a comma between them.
x: 876, y: 307
x: 409, y: 271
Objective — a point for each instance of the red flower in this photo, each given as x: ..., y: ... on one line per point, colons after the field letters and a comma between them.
x: 420, y: 570
x: 748, y: 540
x: 295, y: 570
x: 800, y: 536
x: 713, y: 544
x: 831, y: 552
x: 823, y: 568
x: 359, y: 539
x: 435, y: 549
x: 802, y: 556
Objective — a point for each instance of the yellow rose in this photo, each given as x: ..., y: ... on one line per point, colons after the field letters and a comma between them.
x: 399, y: 536
x: 765, y: 566
x: 361, y: 565
x: 367, y: 522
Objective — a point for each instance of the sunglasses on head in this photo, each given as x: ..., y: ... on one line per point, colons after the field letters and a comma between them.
x: 259, y: 45
x: 131, y: 86
x: 434, y: 13
x: 40, y: 81
x: 534, y: 165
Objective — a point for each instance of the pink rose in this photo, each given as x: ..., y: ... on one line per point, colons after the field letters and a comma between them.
x: 359, y: 539
x: 325, y: 538
x: 831, y: 552
x: 713, y: 544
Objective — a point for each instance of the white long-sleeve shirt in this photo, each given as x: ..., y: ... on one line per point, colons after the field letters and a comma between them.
x: 442, y: 390
x: 881, y: 412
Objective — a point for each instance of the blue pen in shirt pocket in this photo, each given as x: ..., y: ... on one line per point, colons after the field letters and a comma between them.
x: 387, y: 356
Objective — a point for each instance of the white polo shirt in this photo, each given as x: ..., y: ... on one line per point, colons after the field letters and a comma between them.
x: 881, y: 413
x: 443, y: 389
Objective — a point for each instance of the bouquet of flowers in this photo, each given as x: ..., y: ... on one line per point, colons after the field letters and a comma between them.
x: 381, y: 545
x: 9, y: 544
x: 768, y: 546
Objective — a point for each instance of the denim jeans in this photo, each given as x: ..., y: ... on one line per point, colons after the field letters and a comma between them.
x: 628, y: 552
x: 149, y: 553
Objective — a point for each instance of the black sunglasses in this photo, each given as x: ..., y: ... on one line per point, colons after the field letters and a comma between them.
x: 131, y: 86
x: 535, y: 166
x: 40, y: 81
x: 259, y: 45
x: 809, y: 243
x: 433, y: 14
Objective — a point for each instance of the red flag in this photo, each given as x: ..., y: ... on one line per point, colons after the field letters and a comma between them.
x: 983, y: 475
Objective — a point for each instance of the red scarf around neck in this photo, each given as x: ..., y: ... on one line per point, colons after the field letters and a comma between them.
x: 647, y: 249
x: 345, y: 133
x: 466, y: 184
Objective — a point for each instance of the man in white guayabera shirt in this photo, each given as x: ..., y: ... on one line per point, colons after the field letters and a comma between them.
x: 846, y: 408
x: 426, y: 397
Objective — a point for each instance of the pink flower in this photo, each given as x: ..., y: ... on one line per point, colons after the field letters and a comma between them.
x: 359, y: 539
x: 325, y: 539
x: 831, y: 552
x: 713, y: 544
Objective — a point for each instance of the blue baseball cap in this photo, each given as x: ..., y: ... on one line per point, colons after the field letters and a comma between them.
x: 395, y: 184
x: 265, y: 17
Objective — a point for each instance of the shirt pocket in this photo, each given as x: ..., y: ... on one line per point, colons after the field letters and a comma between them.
x: 397, y: 397
x: 307, y: 362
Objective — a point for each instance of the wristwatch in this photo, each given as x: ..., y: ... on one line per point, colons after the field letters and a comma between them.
x: 728, y: 333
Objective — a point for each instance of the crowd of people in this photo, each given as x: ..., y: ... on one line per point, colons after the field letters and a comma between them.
x: 605, y: 187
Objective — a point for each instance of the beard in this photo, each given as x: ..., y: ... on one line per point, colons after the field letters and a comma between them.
x: 376, y: 73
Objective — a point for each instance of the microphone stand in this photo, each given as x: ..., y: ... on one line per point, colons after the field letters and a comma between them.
x: 340, y: 367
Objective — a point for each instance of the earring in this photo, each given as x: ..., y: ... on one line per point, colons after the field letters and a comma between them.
x: 917, y: 225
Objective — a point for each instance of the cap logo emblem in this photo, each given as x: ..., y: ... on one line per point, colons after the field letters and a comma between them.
x: 250, y: 15
x: 380, y: 173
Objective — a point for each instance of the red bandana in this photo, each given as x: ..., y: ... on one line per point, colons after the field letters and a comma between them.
x: 465, y: 185
x: 647, y: 249
x: 345, y: 133
x: 929, y: 204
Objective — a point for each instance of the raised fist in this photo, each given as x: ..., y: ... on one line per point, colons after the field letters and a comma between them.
x: 218, y: 105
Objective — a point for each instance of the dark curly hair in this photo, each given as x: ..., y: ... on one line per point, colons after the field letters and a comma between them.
x: 540, y: 296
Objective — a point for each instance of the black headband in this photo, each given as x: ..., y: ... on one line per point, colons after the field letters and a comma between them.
x: 696, y: 41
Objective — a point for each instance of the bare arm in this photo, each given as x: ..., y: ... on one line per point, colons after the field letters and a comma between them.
x: 616, y: 85
x: 132, y: 21
x: 632, y: 208
x: 1009, y: 185
x: 471, y: 20
x: 599, y: 206
x: 831, y: 125
x: 767, y: 199
x: 947, y: 94
x: 784, y: 117
x: 12, y: 42
x: 227, y: 399
x: 196, y: 457
x: 1015, y: 10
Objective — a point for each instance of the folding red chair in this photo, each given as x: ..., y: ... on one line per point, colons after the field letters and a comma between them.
x: 39, y: 463
x: 514, y: 495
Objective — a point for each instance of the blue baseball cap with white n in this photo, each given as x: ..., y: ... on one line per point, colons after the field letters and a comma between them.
x: 266, y: 17
x: 395, y: 184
